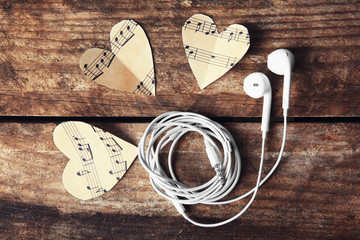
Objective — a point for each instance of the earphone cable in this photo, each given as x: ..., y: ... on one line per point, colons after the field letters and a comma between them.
x: 169, y: 128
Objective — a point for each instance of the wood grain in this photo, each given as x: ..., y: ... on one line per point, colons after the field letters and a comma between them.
x: 41, y: 43
x: 313, y: 194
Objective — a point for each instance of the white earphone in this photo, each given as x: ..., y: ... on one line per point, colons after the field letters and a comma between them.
x: 224, y: 157
x: 281, y: 62
x: 257, y: 85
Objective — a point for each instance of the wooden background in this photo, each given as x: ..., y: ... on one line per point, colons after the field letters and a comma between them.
x: 313, y: 194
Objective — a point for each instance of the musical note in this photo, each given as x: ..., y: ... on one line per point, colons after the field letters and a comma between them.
x: 191, y: 53
x: 204, y: 56
x: 119, y: 166
x: 120, y: 71
x: 230, y: 36
x: 212, y: 29
x: 84, y: 151
x: 95, y: 68
x: 85, y: 147
x: 116, y: 161
x: 82, y: 172
x: 104, y: 139
x: 99, y: 189
x: 239, y: 35
x: 114, y: 149
x: 123, y: 36
x: 210, y: 53
x: 147, y: 85
x: 231, y: 62
x: 107, y: 139
x: 120, y: 170
x: 113, y: 145
x: 209, y: 28
x: 198, y: 27
x: 187, y: 23
x: 112, y: 172
x: 91, y: 158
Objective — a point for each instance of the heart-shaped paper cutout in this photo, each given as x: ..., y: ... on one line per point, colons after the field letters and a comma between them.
x: 212, y: 54
x: 128, y: 66
x: 98, y: 159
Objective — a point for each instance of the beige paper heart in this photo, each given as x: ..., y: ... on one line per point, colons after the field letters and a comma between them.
x: 128, y: 66
x: 98, y: 159
x: 212, y: 54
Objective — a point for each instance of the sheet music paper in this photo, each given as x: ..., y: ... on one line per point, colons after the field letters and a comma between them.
x: 98, y: 159
x: 210, y: 53
x: 128, y: 66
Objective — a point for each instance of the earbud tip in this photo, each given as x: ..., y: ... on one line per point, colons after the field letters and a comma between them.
x: 279, y: 60
x: 254, y: 84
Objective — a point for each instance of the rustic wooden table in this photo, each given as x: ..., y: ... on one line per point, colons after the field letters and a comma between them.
x: 313, y: 194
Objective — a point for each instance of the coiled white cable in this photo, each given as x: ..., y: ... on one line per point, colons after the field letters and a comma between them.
x: 169, y: 128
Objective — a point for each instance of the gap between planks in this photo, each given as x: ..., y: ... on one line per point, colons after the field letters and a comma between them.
x: 44, y: 119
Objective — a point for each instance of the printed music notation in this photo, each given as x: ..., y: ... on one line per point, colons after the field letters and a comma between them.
x: 147, y: 85
x: 98, y: 159
x: 125, y: 33
x: 210, y: 53
x: 95, y: 68
x: 82, y: 172
x: 119, y: 68
x: 85, y: 154
x: 209, y: 28
x: 210, y: 57
x: 114, y: 150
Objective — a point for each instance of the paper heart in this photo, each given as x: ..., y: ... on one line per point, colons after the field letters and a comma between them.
x: 210, y: 53
x: 98, y: 159
x: 128, y: 66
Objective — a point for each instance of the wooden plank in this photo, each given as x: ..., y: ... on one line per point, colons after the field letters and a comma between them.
x: 41, y: 43
x: 313, y: 194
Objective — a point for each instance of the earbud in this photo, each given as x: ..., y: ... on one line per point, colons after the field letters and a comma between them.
x: 257, y: 85
x: 281, y: 62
